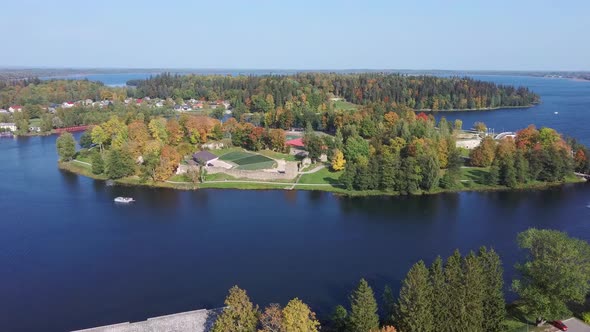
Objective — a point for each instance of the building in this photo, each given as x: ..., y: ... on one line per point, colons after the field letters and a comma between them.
x: 3, y: 111
x: 35, y: 129
x: 8, y: 125
x: 67, y: 104
x: 15, y: 108
x: 204, y: 157
x: 296, y: 143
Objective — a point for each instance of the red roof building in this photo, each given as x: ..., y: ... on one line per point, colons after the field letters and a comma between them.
x: 297, y: 142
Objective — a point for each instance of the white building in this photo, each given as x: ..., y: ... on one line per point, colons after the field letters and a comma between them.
x: 15, y: 108
x: 8, y: 125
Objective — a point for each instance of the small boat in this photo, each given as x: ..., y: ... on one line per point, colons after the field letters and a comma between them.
x: 555, y: 112
x: 124, y: 200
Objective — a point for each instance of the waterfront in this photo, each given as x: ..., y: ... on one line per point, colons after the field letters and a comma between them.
x: 70, y: 258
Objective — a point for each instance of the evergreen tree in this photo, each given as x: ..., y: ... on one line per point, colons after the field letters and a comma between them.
x: 240, y: 315
x: 521, y: 165
x: 494, y: 305
x: 455, y: 294
x: 430, y: 171
x: 348, y: 177
x: 410, y: 175
x: 414, y: 307
x: 298, y: 317
x: 339, y: 317
x: 474, y: 286
x: 508, y: 176
x: 390, y: 166
x: 388, y: 306
x: 493, y: 176
x: 363, y: 309
x: 119, y: 164
x: 439, y: 289
x: 97, y: 163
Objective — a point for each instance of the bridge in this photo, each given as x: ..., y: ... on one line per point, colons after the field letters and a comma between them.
x: 505, y: 135
x: 582, y: 175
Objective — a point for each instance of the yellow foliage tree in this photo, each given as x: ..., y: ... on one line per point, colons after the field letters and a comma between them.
x: 298, y: 317
x: 338, y: 162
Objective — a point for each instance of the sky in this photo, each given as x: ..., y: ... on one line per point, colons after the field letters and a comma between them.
x: 304, y: 34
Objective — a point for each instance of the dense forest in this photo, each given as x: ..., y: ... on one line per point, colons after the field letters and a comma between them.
x: 314, y: 89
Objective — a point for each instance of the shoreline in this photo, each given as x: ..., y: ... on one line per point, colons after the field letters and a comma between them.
x: 427, y: 110
x: 267, y: 185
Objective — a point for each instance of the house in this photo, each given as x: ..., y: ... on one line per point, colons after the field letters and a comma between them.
x: 160, y: 104
x: 35, y: 129
x: 88, y: 102
x: 204, y: 157
x: 67, y: 104
x: 3, y: 111
x: 8, y: 126
x: 186, y: 107
x: 15, y: 108
x: 296, y: 143
x: 177, y: 108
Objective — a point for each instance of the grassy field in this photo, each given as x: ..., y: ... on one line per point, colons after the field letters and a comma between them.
x: 278, y: 155
x: 322, y: 176
x: 345, y: 106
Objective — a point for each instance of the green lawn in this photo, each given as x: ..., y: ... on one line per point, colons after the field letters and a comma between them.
x: 278, y: 155
x: 233, y: 156
x: 248, y: 161
x: 345, y: 106
x: 322, y: 176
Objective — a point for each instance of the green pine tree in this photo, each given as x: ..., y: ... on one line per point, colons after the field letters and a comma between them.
x: 414, y: 307
x: 388, y: 306
x: 494, y: 305
x: 455, y: 294
x: 97, y: 163
x: 363, y: 314
x: 439, y: 309
x: 474, y: 293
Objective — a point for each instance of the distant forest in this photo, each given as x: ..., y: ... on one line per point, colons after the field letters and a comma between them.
x: 314, y: 89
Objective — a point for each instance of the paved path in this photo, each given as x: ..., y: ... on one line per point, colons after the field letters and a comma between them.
x: 82, y: 162
x: 314, y: 170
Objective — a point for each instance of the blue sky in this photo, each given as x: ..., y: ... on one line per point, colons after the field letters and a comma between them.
x: 304, y: 34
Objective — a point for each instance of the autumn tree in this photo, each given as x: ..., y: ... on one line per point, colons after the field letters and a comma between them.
x: 240, y: 315
x: 271, y: 320
x: 298, y: 317
x: 175, y: 132
x: 338, y: 161
x: 168, y: 163
x: 99, y: 136
x: 483, y: 155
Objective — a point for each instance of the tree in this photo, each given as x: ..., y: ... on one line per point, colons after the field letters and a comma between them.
x: 494, y: 305
x: 119, y: 164
x: 556, y: 272
x: 338, y: 162
x: 493, y: 176
x: 439, y: 289
x: 483, y: 155
x: 298, y: 317
x: 271, y: 320
x: 66, y: 146
x: 86, y: 140
x: 97, y: 163
x: 158, y: 129
x: 455, y: 293
x: 458, y: 126
x: 480, y: 127
x: 388, y: 306
x: 355, y: 148
x: 313, y: 145
x: 474, y: 285
x: 339, y: 317
x: 99, y: 136
x: 430, y: 170
x: 239, y: 314
x: 414, y: 307
x: 363, y: 309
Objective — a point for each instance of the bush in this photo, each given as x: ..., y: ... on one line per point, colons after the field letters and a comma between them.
x: 586, y: 317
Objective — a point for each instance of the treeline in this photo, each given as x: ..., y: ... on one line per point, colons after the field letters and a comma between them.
x: 152, y: 148
x: 42, y: 93
x: 463, y: 293
x: 312, y: 90
x: 405, y: 155
x: 534, y: 155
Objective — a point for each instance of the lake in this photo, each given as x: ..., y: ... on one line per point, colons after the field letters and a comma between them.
x: 70, y: 258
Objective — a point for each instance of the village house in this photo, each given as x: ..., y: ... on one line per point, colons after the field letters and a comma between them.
x: 8, y: 125
x: 88, y: 102
x: 35, y: 129
x: 15, y: 108
x: 3, y: 111
x: 160, y: 104
x: 67, y: 104
x: 204, y: 157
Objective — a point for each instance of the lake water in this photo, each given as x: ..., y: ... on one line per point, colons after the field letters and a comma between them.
x: 70, y: 258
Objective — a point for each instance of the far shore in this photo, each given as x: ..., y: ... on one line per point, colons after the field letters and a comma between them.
x: 241, y: 184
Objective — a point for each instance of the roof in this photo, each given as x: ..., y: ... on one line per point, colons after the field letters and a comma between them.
x: 204, y: 156
x: 194, y: 321
x: 297, y: 142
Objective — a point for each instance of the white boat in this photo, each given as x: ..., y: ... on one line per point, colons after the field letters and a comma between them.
x: 555, y: 112
x: 124, y: 200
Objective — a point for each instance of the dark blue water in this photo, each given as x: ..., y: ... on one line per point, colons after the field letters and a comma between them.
x: 571, y: 99
x: 70, y: 258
